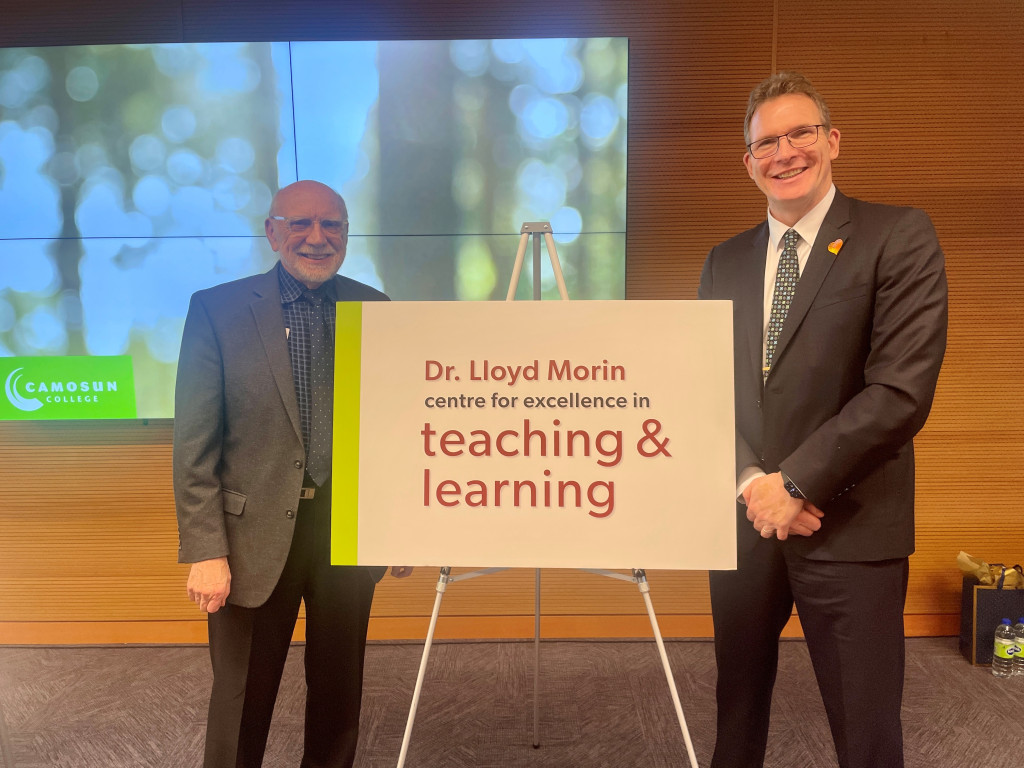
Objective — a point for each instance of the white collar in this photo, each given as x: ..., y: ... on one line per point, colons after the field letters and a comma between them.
x: 807, y: 227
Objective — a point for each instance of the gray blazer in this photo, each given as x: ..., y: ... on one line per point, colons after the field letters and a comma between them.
x: 238, y: 454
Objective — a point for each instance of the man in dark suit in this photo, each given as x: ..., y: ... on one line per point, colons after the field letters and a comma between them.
x: 840, y: 329
x: 252, y: 437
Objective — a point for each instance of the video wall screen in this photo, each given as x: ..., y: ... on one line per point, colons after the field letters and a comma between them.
x: 132, y: 176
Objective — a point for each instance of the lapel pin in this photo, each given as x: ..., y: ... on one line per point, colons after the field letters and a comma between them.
x: 834, y: 246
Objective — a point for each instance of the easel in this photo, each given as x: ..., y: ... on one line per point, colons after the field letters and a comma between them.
x: 540, y: 229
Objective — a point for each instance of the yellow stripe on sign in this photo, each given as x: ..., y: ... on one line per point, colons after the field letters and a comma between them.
x: 348, y: 338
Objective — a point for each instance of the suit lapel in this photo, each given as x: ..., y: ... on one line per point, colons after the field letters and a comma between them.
x: 266, y: 309
x: 819, y: 262
x: 750, y: 297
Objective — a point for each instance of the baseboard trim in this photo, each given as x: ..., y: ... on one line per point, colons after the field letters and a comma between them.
x: 414, y: 628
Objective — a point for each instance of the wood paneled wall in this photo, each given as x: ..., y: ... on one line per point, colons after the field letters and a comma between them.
x: 926, y: 95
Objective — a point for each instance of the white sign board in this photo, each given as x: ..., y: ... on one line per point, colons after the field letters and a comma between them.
x: 593, y: 434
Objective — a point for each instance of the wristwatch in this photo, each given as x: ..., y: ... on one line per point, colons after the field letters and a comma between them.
x: 790, y: 487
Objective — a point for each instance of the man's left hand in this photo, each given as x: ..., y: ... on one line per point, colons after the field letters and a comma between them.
x: 401, y: 571
x: 807, y: 522
x: 770, y: 507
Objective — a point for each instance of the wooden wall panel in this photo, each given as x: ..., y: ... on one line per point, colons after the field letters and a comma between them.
x: 925, y: 96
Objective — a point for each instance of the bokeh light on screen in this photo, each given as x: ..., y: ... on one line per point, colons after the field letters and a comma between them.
x: 29, y: 198
x: 132, y: 176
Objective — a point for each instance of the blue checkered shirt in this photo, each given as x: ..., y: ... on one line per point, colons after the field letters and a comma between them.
x: 296, y: 320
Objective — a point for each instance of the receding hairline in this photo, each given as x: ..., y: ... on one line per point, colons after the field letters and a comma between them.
x: 302, y: 183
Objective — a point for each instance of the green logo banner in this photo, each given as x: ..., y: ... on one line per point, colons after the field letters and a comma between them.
x: 82, y: 387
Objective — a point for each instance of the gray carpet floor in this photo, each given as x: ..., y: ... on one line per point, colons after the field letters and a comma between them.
x: 602, y: 704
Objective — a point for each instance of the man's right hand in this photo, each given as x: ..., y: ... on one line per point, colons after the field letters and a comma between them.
x: 209, y: 583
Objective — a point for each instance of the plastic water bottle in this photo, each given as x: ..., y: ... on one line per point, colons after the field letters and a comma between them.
x: 1003, y: 652
x: 1018, y: 639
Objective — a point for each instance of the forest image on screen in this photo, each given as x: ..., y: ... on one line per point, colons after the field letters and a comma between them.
x: 132, y: 176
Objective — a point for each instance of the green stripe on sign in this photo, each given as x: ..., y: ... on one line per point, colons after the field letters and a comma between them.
x: 348, y: 341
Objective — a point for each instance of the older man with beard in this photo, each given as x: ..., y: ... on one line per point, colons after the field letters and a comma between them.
x: 252, y: 484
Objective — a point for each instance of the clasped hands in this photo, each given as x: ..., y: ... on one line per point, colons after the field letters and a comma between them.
x: 209, y: 582
x: 774, y: 512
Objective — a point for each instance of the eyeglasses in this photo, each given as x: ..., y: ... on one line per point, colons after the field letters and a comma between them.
x: 803, y: 136
x: 302, y: 225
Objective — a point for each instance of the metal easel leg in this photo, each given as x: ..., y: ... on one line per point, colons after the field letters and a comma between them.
x: 539, y: 230
x: 556, y: 265
x: 442, y: 583
x: 517, y: 268
x: 640, y: 577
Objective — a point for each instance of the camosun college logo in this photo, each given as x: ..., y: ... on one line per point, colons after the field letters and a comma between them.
x: 15, y: 398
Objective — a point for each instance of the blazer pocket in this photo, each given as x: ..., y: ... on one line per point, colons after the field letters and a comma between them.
x: 845, y: 294
x: 234, y: 502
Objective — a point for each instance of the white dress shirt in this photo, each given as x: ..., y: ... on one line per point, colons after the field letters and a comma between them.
x: 807, y: 228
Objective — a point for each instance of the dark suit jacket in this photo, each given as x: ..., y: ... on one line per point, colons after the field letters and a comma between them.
x: 238, y: 452
x: 854, y: 372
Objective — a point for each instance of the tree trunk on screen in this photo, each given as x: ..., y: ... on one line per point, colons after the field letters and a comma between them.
x: 417, y: 141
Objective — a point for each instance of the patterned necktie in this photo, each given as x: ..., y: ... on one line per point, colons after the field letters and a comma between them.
x: 785, y: 286
x: 321, y: 390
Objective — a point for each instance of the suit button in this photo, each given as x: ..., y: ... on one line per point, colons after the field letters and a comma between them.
x: 289, y: 514
x: 298, y: 464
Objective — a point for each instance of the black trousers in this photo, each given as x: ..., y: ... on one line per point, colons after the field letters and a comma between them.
x: 248, y: 648
x: 852, y: 618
